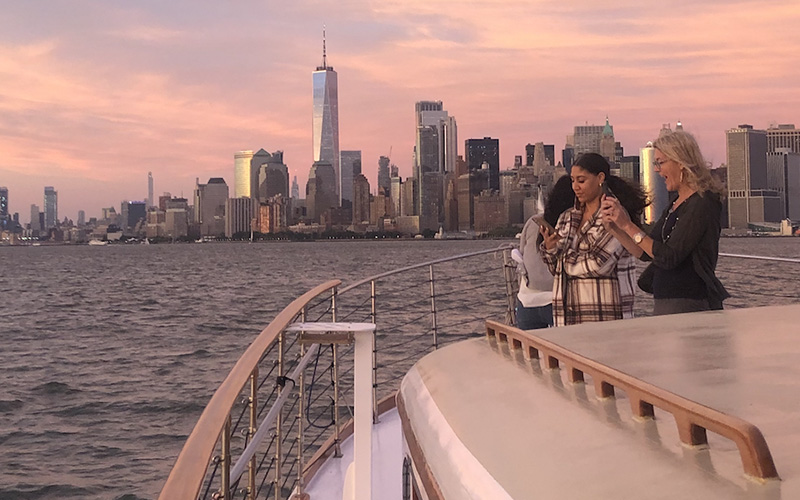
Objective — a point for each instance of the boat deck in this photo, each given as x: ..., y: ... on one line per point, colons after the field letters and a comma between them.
x: 516, y: 429
x: 387, y: 464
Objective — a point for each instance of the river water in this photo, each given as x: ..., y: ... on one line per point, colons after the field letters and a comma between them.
x: 109, y: 354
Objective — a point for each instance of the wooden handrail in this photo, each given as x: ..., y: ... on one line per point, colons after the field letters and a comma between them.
x: 186, y: 477
x: 692, y: 419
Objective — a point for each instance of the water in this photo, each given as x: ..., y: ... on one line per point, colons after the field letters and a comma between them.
x: 109, y: 354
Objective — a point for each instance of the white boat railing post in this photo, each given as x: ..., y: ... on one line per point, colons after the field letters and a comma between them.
x: 300, y: 427
x: 362, y: 417
x: 337, y: 449
x: 508, y: 271
x: 433, y: 310
x: 252, y: 468
x: 279, y: 418
x: 226, y: 460
x: 374, y: 317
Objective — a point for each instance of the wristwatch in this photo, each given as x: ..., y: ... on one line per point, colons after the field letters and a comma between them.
x: 638, y: 237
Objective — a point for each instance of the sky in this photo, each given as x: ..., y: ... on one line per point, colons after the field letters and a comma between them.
x: 96, y: 94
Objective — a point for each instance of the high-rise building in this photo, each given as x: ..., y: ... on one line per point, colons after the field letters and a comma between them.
x: 5, y: 221
x: 586, y: 139
x: 240, y: 215
x: 50, y: 207
x: 209, y: 206
x: 653, y: 184
x: 384, y: 178
x: 361, y: 208
x: 136, y: 213
x: 783, y: 136
x: 350, y: 164
x: 435, y: 151
x: 750, y: 198
x: 81, y: 218
x: 608, y: 144
x: 486, y: 150
x: 295, y: 189
x: 149, y: 189
x: 320, y: 190
x: 325, y: 125
x: 243, y: 181
x: 783, y: 175
x: 273, y: 175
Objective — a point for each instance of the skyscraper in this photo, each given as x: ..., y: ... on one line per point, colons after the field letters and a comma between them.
x: 5, y: 221
x: 320, y: 189
x: 273, y: 175
x: 478, y: 151
x: 209, y: 206
x: 295, y: 189
x: 435, y: 154
x: 384, y: 180
x: 653, y: 184
x: 351, y: 166
x: 149, y: 189
x: 325, y: 132
x: 243, y: 181
x: 35, y: 225
x: 750, y: 198
x: 50, y: 207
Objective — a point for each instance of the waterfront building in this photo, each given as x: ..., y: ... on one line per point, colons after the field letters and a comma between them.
x: 35, y: 226
x: 273, y: 175
x: 409, y: 197
x: 325, y: 119
x: 320, y: 190
x: 274, y: 215
x: 350, y: 163
x: 783, y: 136
x: 396, y: 195
x: 156, y: 223
x: 361, y: 200
x: 653, y: 184
x: 209, y: 206
x: 384, y: 180
x: 783, y: 175
x: 378, y: 210
x: 135, y: 214
x: 470, y: 185
x: 490, y: 211
x: 176, y: 223
x: 149, y: 189
x: 480, y: 151
x: 50, y: 207
x: 81, y: 218
x: 240, y: 215
x: 451, y: 202
x: 435, y: 151
x: 242, y: 174
x: 750, y: 198
x: 5, y: 221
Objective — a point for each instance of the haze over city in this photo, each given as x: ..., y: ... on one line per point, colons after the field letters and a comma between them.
x: 97, y: 94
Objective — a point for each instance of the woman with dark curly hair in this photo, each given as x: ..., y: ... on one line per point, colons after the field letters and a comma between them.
x: 593, y: 273
x: 684, y: 244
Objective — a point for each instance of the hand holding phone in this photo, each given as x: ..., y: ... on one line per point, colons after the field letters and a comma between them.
x: 539, y: 219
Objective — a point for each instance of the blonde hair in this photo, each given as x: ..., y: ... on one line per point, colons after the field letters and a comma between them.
x: 681, y: 147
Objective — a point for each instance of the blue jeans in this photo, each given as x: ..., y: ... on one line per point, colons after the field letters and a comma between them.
x: 532, y: 318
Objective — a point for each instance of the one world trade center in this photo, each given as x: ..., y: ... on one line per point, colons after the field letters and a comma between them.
x: 326, y: 118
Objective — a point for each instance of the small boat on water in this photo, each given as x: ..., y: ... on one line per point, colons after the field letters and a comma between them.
x: 460, y: 404
x: 97, y: 243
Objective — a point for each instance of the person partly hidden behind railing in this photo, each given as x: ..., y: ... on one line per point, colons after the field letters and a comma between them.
x: 594, y: 274
x: 684, y: 244
x: 534, y: 308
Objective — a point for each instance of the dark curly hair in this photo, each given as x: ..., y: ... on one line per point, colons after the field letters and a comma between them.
x: 631, y: 196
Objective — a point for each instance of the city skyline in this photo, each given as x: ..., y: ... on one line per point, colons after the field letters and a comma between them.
x: 95, y: 96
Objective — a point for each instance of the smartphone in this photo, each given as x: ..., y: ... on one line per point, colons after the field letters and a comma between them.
x: 539, y: 219
x: 607, y: 191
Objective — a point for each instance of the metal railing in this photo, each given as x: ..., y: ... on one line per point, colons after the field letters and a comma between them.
x: 283, y: 408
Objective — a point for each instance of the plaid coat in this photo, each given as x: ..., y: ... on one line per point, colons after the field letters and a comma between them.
x: 594, y: 275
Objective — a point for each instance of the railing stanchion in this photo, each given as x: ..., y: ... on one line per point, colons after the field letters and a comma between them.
x: 374, y: 317
x: 433, y: 311
x: 226, y: 459
x: 337, y: 451
x: 279, y: 419
x: 510, y: 299
x: 300, y: 428
x: 252, y: 471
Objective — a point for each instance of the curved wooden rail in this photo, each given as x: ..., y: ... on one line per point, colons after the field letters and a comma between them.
x: 692, y: 419
x: 186, y: 477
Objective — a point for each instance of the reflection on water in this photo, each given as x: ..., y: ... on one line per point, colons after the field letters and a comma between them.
x: 110, y: 353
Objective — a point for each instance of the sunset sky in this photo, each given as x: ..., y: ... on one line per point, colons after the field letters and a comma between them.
x: 94, y: 94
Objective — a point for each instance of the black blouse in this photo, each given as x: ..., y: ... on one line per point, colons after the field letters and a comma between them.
x: 685, y: 250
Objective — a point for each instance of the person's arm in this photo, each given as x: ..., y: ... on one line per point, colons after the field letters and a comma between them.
x: 550, y: 249
x: 597, y: 257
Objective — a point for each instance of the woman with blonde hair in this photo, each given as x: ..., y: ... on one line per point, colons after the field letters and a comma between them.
x: 684, y: 244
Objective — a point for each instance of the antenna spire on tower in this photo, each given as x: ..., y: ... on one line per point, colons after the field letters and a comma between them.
x: 324, y: 55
